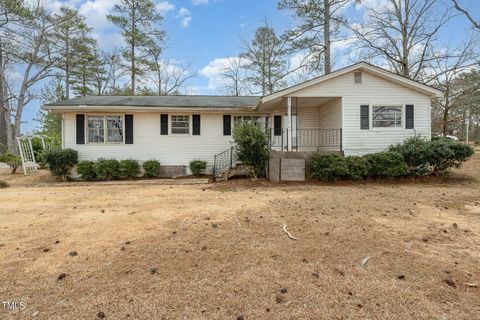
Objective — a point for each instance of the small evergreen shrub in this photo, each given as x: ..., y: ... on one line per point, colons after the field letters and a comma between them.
x: 107, y: 169
x: 3, y: 184
x: 87, y: 170
x: 251, y: 147
x: 357, y: 167
x: 416, y: 154
x: 60, y: 162
x: 12, y: 160
x: 198, y: 167
x: 329, y: 167
x: 129, y: 168
x: 445, y: 154
x: 387, y: 164
x: 151, y: 168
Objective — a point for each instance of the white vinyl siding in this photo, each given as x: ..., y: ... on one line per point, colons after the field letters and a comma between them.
x: 176, y: 149
x: 372, y: 91
x: 330, y: 114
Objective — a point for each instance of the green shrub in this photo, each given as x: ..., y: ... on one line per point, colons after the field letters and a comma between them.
x: 251, y: 147
x: 129, y: 168
x: 151, y: 168
x: 357, y: 167
x: 59, y: 161
x: 3, y: 184
x: 12, y: 160
x: 385, y: 164
x: 107, y: 169
x: 445, y: 154
x: 198, y: 167
x: 329, y: 167
x: 86, y: 170
x: 416, y: 154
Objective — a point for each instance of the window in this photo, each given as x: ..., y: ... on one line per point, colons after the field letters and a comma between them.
x: 96, y: 129
x: 357, y: 76
x: 180, y: 124
x: 114, y: 129
x: 387, y: 116
x: 100, y: 127
x: 261, y: 121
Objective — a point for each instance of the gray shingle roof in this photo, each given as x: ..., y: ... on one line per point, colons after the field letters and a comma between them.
x: 161, y: 101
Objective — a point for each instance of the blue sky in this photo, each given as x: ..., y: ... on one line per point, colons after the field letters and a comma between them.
x: 207, y: 32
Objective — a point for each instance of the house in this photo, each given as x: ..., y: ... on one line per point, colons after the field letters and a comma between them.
x: 356, y: 110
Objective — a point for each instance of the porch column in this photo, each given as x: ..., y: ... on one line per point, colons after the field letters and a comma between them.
x: 289, y: 126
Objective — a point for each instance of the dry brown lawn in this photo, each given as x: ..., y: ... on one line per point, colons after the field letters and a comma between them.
x: 219, y: 251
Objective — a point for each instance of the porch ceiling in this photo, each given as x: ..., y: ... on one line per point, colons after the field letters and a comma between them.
x: 302, y: 102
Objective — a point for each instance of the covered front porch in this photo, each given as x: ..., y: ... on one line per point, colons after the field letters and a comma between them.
x: 305, y: 123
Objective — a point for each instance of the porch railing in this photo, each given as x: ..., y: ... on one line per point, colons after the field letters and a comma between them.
x: 307, y: 138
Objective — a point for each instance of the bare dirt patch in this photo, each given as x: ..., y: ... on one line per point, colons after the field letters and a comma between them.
x: 219, y: 251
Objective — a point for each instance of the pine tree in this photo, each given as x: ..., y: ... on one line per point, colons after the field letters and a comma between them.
x: 320, y: 20
x: 71, y: 34
x: 265, y: 57
x: 136, y: 20
x: 84, y: 72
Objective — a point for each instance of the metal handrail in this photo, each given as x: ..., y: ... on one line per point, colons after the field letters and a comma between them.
x: 224, y: 160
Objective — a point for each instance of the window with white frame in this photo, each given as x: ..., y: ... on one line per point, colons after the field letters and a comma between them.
x: 114, y: 129
x: 105, y: 129
x: 180, y: 124
x: 259, y: 120
x: 386, y: 116
x: 96, y: 129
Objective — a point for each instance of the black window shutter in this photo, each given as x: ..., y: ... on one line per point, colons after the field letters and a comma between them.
x: 129, y: 129
x: 227, y: 125
x: 164, y: 124
x: 277, y: 125
x: 409, y: 119
x: 80, y: 129
x: 364, y: 117
x: 196, y: 124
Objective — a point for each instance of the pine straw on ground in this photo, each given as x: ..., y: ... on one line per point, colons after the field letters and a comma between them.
x: 221, y: 253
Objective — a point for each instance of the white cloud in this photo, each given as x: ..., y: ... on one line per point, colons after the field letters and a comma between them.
x: 185, y: 16
x: 165, y: 7
x: 199, y: 2
x: 214, y: 70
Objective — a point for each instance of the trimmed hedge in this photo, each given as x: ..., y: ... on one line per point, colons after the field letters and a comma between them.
x: 59, y: 161
x: 414, y: 157
x: 329, y: 167
x: 87, y: 170
x: 151, y: 168
x: 107, y: 169
x: 437, y: 156
x: 387, y: 164
x: 198, y: 167
x: 357, y: 168
x: 446, y: 154
x: 415, y: 152
x: 129, y: 168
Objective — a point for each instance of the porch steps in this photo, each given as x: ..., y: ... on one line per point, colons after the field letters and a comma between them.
x: 237, y: 171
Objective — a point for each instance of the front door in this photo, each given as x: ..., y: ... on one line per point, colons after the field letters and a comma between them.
x: 294, y: 130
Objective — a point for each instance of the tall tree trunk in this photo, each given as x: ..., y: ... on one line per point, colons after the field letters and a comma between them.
x: 445, y: 122
x: 132, y: 50
x: 4, y: 115
x: 326, y: 38
x: 67, y: 69
x: 133, y: 69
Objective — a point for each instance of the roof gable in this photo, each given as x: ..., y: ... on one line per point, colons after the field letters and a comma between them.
x: 361, y: 66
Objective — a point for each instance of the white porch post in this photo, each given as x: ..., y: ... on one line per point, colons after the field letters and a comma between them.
x: 289, y: 126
